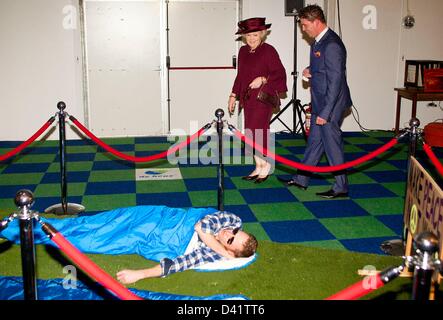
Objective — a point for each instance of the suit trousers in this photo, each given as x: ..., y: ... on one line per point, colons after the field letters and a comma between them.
x: 325, y: 139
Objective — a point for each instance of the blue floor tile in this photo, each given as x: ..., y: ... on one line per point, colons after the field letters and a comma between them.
x: 72, y: 176
x: 297, y: 231
x: 239, y: 171
x: 391, y: 176
x: 243, y: 211
x: 74, y: 157
x: 362, y: 191
x: 115, y: 187
x: 9, y: 192
x: 26, y: 168
x: 335, y: 209
x: 119, y: 147
x: 270, y: 195
x: 112, y: 165
x: 170, y: 199
x: 394, y: 222
x: 367, y: 245
x: 201, y: 184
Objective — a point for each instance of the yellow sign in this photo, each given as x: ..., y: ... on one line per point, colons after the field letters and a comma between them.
x: 424, y: 203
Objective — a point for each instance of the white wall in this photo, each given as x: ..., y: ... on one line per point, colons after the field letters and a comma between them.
x: 376, y: 57
x: 41, y: 60
x: 38, y: 61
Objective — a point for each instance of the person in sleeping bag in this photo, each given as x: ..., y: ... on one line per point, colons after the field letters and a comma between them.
x: 219, y: 237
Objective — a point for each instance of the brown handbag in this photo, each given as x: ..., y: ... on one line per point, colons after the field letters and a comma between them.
x: 272, y: 101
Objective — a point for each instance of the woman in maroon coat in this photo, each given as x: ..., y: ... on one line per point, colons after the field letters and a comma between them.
x: 259, y: 66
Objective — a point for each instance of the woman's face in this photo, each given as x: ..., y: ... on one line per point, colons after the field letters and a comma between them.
x: 253, y: 39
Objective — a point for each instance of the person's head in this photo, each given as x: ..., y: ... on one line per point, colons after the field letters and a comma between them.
x: 312, y: 20
x: 240, y: 243
x: 253, y: 31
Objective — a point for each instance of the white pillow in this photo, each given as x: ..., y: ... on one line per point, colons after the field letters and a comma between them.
x: 220, y: 265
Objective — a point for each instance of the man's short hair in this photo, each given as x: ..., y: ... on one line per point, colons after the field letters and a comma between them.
x: 311, y: 13
x: 249, y: 247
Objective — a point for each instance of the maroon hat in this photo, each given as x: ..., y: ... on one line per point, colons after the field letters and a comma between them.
x: 252, y: 25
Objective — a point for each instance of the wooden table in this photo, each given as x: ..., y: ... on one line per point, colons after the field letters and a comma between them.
x: 414, y: 95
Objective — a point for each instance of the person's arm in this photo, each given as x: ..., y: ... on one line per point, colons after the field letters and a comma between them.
x: 335, y: 57
x: 276, y: 78
x: 210, y: 240
x: 130, y: 276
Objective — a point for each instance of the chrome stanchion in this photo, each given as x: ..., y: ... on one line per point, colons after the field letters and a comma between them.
x: 24, y: 199
x: 220, y: 173
x: 397, y: 247
x: 64, y: 207
x: 425, y: 265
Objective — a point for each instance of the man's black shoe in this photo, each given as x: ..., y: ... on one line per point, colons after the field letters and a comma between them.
x: 291, y: 182
x: 331, y: 194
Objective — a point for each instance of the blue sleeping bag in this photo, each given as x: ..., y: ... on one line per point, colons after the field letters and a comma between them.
x: 154, y: 232
x: 11, y: 288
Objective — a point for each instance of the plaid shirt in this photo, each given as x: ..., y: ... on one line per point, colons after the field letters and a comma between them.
x: 212, y: 224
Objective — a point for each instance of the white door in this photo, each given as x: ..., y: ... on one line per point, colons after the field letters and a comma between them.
x: 201, y: 49
x: 123, y: 60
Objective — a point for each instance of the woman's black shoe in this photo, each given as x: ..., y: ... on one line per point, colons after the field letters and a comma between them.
x: 250, y: 178
x: 260, y: 180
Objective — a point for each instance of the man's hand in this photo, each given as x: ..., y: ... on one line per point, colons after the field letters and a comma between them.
x: 320, y: 121
x: 129, y: 276
x: 307, y: 73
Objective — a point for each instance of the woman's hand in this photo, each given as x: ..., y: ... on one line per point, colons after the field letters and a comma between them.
x: 231, y: 104
x: 257, y: 82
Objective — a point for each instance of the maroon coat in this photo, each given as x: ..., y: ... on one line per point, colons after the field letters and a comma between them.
x: 263, y: 62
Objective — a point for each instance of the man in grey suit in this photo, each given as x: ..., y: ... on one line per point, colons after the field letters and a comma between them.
x: 330, y: 98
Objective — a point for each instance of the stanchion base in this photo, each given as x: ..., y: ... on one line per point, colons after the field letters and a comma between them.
x: 72, y: 209
x: 393, y: 247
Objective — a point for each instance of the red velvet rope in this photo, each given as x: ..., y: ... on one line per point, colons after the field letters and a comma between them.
x: 359, y: 289
x: 433, y: 158
x: 121, y: 155
x: 84, y: 263
x: 29, y: 141
x: 304, y: 167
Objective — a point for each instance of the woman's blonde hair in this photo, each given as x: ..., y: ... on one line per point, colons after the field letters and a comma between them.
x: 263, y: 35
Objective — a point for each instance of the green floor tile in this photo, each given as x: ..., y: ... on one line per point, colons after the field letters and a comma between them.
x: 20, y: 178
x: 54, y: 189
x: 113, y: 175
x: 310, y: 193
x: 271, y: 182
x: 292, y: 143
x: 114, y: 141
x: 160, y: 186
x: 362, y: 140
x: 399, y: 188
x: 359, y: 178
x: 327, y: 244
x: 376, y: 165
x: 44, y: 143
x: 7, y: 207
x: 35, y: 158
x: 357, y: 227
x: 349, y: 148
x: 382, y: 206
x: 152, y: 147
x: 282, y: 151
x: 281, y: 211
x: 209, y: 198
x: 81, y: 149
x: 257, y: 230
x: 72, y: 166
x: 160, y: 163
x: 108, y: 202
x: 107, y: 156
x: 199, y: 172
x: 381, y: 134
